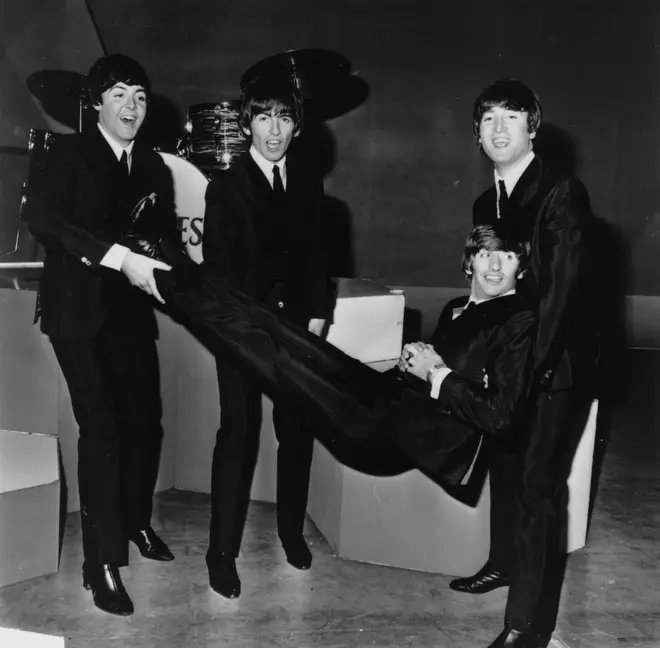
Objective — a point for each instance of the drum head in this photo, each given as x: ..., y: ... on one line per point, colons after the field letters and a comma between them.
x: 189, y: 195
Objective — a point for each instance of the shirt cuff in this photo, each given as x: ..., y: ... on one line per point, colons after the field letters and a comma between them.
x: 114, y: 257
x: 438, y: 379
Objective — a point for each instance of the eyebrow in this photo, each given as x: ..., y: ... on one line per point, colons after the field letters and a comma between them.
x: 125, y: 86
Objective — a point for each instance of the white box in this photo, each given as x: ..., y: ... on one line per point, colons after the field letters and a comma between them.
x: 12, y: 638
x: 368, y: 320
x: 29, y: 506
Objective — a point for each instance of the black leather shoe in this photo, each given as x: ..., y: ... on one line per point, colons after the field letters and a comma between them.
x: 150, y: 545
x: 510, y: 638
x: 223, y: 577
x: 485, y: 580
x: 297, y: 553
x: 107, y: 589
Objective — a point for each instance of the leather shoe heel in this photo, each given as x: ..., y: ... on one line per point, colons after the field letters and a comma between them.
x: 485, y: 580
x: 107, y: 589
x: 223, y: 577
x: 150, y: 545
x: 510, y: 638
x: 297, y: 553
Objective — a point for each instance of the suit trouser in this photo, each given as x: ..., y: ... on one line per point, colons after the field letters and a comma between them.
x: 541, y: 506
x: 352, y: 402
x: 501, y: 466
x: 114, y: 385
x: 235, y: 456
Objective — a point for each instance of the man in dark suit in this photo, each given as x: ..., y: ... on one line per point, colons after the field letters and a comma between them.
x: 477, y: 371
x: 262, y: 233
x: 552, y: 212
x: 94, y: 309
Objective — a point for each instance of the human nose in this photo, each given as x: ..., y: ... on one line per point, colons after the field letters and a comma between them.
x: 130, y: 101
x: 495, y: 262
x: 275, y: 126
x: 499, y: 124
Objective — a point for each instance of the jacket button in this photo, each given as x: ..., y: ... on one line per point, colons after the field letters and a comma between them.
x: 280, y: 304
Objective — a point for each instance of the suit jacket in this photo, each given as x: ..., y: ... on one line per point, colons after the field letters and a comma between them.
x: 79, y: 209
x: 496, y: 337
x: 553, y: 213
x: 272, y: 253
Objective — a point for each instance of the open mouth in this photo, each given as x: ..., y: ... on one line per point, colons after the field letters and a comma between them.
x: 128, y: 120
x: 494, y: 279
x: 500, y: 143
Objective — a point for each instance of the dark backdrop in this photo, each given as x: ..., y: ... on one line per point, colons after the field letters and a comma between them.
x: 404, y: 169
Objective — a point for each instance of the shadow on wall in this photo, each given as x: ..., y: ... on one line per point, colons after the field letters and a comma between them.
x: 611, y: 255
x: 609, y: 251
x: 163, y: 126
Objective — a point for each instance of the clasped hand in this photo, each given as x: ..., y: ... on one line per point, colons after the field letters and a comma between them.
x: 417, y: 358
x: 139, y: 270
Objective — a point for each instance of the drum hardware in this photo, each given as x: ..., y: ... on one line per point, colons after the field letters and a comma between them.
x: 323, y: 78
x: 38, y: 146
x: 61, y: 94
x: 213, y: 135
x: 312, y: 71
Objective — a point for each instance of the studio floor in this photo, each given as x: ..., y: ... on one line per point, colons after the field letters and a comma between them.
x: 611, y: 594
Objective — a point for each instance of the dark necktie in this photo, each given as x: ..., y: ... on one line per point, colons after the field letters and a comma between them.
x: 503, y: 201
x: 123, y: 163
x: 278, y: 186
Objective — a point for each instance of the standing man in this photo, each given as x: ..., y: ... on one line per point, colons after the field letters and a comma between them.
x: 94, y: 309
x: 262, y: 232
x: 553, y: 213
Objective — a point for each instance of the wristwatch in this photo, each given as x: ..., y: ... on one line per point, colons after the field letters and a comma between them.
x: 430, y: 374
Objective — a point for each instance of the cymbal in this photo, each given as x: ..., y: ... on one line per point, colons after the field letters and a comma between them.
x: 312, y: 71
x: 59, y: 92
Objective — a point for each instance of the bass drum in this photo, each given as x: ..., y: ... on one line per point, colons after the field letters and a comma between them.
x: 189, y: 195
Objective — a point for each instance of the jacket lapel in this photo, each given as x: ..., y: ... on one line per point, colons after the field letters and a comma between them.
x: 526, y: 188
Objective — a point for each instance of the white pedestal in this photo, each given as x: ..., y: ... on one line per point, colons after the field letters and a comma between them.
x: 29, y: 506
x: 21, y: 639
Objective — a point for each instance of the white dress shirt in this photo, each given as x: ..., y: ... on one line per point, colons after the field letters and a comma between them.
x: 114, y: 257
x: 266, y: 166
x: 511, y: 177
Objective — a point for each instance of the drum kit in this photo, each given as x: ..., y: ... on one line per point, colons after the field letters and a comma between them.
x: 212, y: 136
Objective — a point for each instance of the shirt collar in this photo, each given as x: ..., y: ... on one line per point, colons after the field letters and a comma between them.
x: 512, y: 176
x: 475, y: 301
x: 117, y: 148
x: 266, y: 166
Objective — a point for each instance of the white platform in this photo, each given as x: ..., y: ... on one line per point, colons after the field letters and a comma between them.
x: 11, y: 638
x: 29, y: 506
x: 398, y: 520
